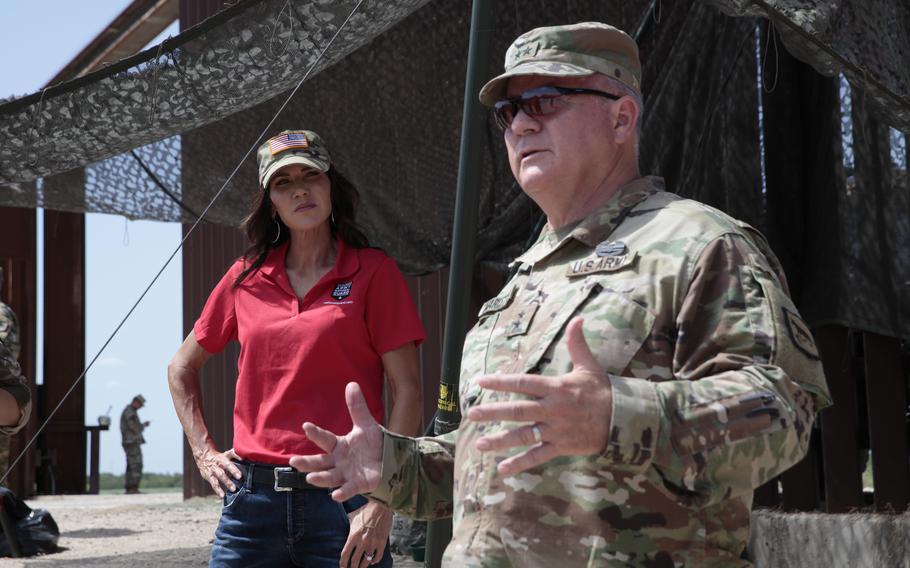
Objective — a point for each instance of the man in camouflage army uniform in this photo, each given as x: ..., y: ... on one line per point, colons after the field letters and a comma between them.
x: 9, y: 334
x: 131, y: 438
x: 640, y: 375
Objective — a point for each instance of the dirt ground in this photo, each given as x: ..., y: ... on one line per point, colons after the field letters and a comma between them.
x: 133, y: 531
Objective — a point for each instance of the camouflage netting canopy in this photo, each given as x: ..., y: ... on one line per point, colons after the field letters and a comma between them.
x: 731, y: 119
x: 866, y: 40
x: 242, y: 56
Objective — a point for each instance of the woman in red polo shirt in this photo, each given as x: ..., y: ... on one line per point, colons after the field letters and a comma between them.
x: 312, y: 308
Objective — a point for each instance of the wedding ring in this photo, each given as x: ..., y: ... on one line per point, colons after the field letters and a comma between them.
x: 369, y: 556
x: 537, y: 437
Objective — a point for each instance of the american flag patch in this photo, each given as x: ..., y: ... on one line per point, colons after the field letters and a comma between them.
x: 284, y: 142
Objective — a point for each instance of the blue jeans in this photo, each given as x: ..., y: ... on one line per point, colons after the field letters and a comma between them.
x: 263, y: 527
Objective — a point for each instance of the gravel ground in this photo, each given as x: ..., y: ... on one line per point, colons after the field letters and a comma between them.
x: 133, y: 531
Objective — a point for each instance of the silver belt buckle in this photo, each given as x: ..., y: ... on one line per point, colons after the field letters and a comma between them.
x: 278, y: 471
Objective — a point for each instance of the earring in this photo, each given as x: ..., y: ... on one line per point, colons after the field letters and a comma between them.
x: 332, y: 215
x: 278, y: 234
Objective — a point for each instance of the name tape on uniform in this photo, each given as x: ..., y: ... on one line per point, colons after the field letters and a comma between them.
x: 587, y: 266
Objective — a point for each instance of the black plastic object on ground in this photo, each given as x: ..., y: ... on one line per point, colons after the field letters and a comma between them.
x: 35, y: 529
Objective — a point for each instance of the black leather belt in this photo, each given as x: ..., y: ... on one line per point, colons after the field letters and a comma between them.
x: 279, y: 478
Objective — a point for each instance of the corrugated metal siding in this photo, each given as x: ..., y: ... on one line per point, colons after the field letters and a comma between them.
x: 429, y: 293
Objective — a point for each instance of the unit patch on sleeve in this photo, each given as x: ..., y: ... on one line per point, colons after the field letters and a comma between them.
x: 342, y: 290
x: 800, y: 334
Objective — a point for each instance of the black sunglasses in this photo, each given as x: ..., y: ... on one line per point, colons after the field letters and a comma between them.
x: 538, y: 102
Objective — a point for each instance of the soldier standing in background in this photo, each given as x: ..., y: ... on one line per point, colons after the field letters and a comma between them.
x: 131, y: 435
x: 9, y: 334
x: 637, y: 435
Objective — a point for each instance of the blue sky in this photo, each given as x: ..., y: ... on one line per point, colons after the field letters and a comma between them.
x: 121, y: 256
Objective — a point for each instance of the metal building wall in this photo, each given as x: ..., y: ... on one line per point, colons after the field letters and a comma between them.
x: 61, y: 466
x: 206, y: 256
x: 63, y: 443
x: 18, y: 242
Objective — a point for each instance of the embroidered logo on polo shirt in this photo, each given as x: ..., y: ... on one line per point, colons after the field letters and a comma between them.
x: 342, y: 290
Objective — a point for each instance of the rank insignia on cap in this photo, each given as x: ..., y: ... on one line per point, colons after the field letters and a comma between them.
x: 342, y: 290
x: 288, y: 141
x: 614, y: 248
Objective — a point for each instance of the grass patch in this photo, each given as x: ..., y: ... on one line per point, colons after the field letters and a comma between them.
x: 151, y: 482
x: 121, y: 490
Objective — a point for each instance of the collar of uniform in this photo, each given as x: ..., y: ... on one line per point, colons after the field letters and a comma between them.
x: 346, y: 263
x: 597, y: 226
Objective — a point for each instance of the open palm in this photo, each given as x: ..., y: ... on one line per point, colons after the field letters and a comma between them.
x: 353, y: 462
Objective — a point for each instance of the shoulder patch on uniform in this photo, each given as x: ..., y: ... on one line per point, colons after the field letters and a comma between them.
x: 587, y: 266
x: 800, y: 334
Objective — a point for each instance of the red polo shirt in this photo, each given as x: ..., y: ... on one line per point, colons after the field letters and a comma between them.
x: 297, y: 356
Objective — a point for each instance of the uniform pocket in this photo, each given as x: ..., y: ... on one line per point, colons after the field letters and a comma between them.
x: 615, y: 328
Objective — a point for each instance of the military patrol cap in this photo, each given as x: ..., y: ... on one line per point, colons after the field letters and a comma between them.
x: 140, y: 398
x: 575, y: 50
x: 303, y: 147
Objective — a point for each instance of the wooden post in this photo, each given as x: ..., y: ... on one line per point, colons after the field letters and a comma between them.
x: 886, y: 391
x: 840, y: 449
x: 94, y: 485
x: 64, y: 336
x: 800, y: 483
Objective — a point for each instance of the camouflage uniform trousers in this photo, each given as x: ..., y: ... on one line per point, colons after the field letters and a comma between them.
x: 133, y: 465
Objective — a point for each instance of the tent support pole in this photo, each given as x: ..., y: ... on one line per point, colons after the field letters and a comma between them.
x: 461, y: 268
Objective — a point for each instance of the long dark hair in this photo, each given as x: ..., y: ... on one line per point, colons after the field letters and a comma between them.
x: 260, y: 226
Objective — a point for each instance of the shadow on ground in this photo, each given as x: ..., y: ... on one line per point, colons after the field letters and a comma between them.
x: 177, y: 557
x: 97, y: 533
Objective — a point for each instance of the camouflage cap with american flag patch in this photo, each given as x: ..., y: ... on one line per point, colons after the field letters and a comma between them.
x: 303, y: 147
x: 574, y: 50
